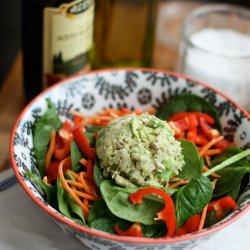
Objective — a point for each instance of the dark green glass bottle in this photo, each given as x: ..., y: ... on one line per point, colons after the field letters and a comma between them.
x: 57, y: 37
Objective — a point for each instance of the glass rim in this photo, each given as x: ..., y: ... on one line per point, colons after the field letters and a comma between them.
x: 219, y: 8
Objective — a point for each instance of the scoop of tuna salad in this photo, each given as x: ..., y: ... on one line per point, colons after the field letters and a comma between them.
x: 139, y: 150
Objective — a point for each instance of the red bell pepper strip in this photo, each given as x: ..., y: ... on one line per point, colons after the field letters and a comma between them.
x: 180, y: 231
x: 212, y: 133
x: 67, y: 126
x: 78, y: 121
x: 52, y: 171
x: 186, y: 123
x: 175, y: 128
x: 62, y: 147
x: 90, y: 172
x: 134, y: 230
x: 190, y: 226
x: 138, y: 112
x: 95, y: 135
x: 220, y: 206
x: 224, y: 144
x: 83, y: 143
x: 167, y: 214
x: 201, y: 140
x: 126, y: 111
x: 192, y: 134
x: 182, y: 115
x: 208, y: 131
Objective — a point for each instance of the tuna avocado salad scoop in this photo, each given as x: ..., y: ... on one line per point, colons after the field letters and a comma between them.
x: 139, y: 151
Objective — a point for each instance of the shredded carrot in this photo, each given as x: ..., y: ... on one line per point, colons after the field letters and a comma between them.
x: 86, y: 202
x: 51, y: 149
x: 84, y: 162
x: 64, y: 134
x: 80, y: 180
x: 207, y: 146
x: 208, y: 160
x: 113, y: 114
x: 74, y: 183
x: 174, y: 179
x: 100, y: 117
x: 107, y: 115
x: 85, y: 175
x: 213, y: 152
x: 204, y: 211
x: 214, y: 183
x: 205, y: 168
x: 75, y: 175
x: 151, y: 110
x: 178, y: 183
x: 83, y: 182
x: 137, y: 111
x: 69, y: 190
x: 84, y: 195
x: 203, y: 217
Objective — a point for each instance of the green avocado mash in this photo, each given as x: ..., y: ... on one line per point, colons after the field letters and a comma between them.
x: 139, y: 151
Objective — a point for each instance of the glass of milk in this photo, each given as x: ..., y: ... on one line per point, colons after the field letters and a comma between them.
x: 215, y: 49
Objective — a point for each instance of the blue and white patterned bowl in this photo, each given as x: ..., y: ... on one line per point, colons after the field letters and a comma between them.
x: 132, y: 88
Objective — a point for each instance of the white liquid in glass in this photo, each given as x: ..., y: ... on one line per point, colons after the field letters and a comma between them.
x: 222, y: 61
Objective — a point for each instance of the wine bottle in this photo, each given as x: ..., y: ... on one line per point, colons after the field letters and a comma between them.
x: 57, y: 40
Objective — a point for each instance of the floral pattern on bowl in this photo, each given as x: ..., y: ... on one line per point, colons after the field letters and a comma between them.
x: 132, y: 88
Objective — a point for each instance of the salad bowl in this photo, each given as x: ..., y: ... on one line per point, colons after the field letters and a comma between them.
x: 131, y: 88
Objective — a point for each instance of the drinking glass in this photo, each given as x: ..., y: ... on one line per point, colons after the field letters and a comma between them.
x: 221, y: 55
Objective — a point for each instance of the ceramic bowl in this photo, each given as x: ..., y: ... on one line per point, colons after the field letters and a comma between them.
x: 132, y: 88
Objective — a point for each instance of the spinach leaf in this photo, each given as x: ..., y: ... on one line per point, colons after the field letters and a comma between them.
x: 235, y: 192
x: 98, y: 175
x: 185, y: 103
x: 90, y: 131
x: 193, y: 162
x: 49, y: 121
x: 75, y: 209
x: 230, y: 151
x: 76, y: 156
x: 50, y: 191
x: 118, y: 202
x: 93, y: 128
x: 231, y: 175
x: 102, y: 219
x: 192, y: 198
x: 230, y: 178
x: 210, y: 219
x: 90, y: 138
x: 61, y: 198
x: 154, y: 231
x: 67, y: 205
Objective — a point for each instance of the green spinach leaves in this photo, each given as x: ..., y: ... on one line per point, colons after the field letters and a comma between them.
x: 50, y: 191
x: 48, y: 122
x: 193, y: 162
x: 192, y: 198
x: 101, y: 218
x: 231, y: 175
x: 67, y: 205
x: 76, y: 156
x: 118, y: 202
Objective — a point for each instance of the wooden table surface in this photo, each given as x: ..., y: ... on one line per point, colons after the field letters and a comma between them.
x: 11, y: 103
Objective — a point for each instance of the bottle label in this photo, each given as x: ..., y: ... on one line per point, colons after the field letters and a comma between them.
x: 67, y: 39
